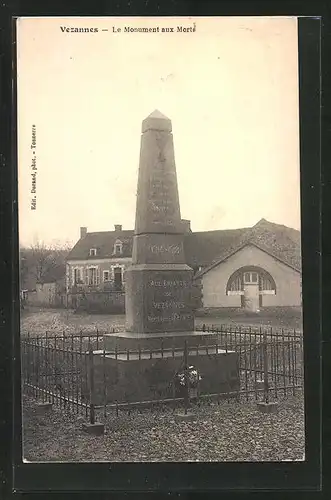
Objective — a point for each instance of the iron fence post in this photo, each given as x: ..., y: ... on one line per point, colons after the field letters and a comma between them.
x: 186, y: 379
x: 91, y: 377
x: 265, y: 367
x: 46, y: 367
x: 28, y: 361
x: 37, y: 367
x: 104, y: 383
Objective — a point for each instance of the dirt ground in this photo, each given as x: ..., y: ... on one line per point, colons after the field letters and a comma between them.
x: 37, y: 321
x: 228, y: 431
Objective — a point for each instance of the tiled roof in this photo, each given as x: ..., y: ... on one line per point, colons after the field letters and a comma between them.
x: 280, y: 241
x: 206, y: 248
x: 104, y: 243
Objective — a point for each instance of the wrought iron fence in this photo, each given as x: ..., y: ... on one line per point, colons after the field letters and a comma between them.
x: 70, y: 371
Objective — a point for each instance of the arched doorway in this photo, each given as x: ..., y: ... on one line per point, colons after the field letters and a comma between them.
x: 251, y: 283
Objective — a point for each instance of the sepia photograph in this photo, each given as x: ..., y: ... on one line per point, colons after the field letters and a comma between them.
x: 160, y: 239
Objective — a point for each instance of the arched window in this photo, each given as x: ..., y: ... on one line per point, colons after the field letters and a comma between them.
x: 250, y: 275
x: 235, y: 284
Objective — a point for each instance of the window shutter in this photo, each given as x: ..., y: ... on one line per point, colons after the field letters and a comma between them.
x: 86, y: 276
x: 98, y: 276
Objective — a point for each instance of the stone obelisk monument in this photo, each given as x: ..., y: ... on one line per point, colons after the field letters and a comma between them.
x: 159, y: 313
x: 158, y: 284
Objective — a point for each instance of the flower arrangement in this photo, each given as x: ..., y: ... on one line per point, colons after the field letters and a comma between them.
x: 193, y: 377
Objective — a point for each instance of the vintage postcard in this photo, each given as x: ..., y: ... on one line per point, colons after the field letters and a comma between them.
x: 160, y: 243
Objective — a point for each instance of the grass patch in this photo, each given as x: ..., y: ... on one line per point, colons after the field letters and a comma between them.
x: 37, y: 321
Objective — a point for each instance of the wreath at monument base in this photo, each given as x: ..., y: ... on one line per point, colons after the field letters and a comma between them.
x: 193, y: 379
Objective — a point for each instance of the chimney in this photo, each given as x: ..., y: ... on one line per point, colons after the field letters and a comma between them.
x: 186, y: 225
x: 83, y: 232
x: 118, y: 227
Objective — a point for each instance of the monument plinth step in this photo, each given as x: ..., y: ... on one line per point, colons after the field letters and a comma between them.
x: 166, y: 353
x: 152, y: 341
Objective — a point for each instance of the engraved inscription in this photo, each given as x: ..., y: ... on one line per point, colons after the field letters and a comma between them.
x: 174, y: 249
x: 164, y: 206
x: 168, y: 305
x: 168, y: 302
x: 161, y: 188
x: 165, y: 283
x: 166, y: 319
x: 166, y: 222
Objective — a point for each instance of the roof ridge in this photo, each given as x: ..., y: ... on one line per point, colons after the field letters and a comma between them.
x: 277, y: 224
x: 239, y: 247
x: 111, y: 232
x: 202, y: 248
x: 220, y: 230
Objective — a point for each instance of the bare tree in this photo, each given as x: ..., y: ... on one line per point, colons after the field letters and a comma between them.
x: 24, y: 270
x: 43, y: 263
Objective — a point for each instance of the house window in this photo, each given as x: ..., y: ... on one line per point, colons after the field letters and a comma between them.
x: 93, y: 252
x: 118, y: 247
x: 247, y: 277
x: 251, y: 278
x: 236, y: 285
x: 265, y: 283
x: 93, y: 276
x: 106, y: 276
x: 118, y: 279
x: 78, y: 278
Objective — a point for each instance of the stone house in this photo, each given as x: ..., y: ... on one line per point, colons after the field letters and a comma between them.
x: 98, y: 260
x: 250, y: 268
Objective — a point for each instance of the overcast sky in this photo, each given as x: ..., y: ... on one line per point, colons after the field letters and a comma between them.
x: 230, y: 89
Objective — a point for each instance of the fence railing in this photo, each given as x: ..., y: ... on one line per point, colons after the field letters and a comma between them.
x: 249, y: 329
x: 70, y: 371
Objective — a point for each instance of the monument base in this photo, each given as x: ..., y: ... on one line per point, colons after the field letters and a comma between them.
x: 144, y: 367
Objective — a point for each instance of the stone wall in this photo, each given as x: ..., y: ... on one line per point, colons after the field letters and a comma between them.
x: 99, y: 302
x: 47, y: 295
